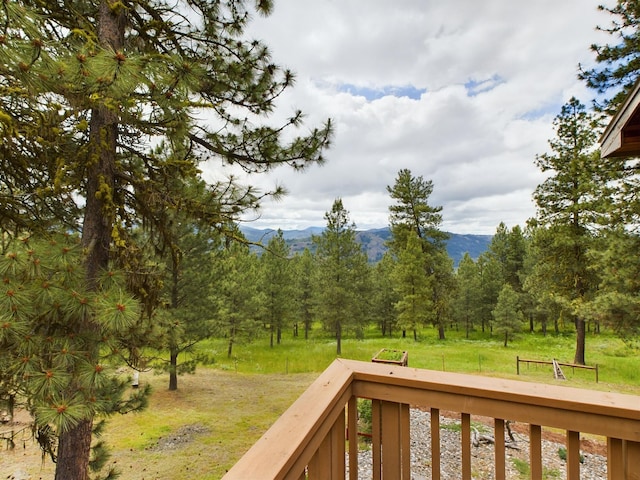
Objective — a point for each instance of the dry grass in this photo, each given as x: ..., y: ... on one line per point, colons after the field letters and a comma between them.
x: 197, y: 432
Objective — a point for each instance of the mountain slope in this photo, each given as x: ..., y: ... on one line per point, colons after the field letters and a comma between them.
x: 372, y: 241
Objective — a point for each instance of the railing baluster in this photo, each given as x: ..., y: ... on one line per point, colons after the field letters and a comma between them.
x: 632, y: 455
x: 499, y: 453
x: 573, y: 455
x: 376, y: 439
x: 405, y: 438
x: 435, y: 444
x: 328, y: 462
x: 535, y: 451
x: 319, y: 467
x: 338, y: 448
x: 466, y: 445
x: 352, y: 412
x: 615, y: 459
x: 391, y: 445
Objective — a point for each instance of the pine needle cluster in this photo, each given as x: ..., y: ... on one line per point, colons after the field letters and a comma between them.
x: 50, y: 325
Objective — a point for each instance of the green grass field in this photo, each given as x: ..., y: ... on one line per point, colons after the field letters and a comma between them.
x: 618, y: 365
x: 202, y: 429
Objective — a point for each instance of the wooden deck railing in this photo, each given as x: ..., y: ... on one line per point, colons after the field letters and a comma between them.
x: 309, y: 440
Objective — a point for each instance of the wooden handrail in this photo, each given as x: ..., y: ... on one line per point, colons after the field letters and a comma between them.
x: 308, y: 440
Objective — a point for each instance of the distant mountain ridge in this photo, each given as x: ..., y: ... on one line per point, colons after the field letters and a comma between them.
x: 372, y: 241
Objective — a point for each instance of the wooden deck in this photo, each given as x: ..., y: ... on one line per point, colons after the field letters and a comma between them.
x: 309, y: 440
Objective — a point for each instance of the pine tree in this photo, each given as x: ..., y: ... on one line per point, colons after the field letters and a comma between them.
x: 491, y: 282
x: 276, y: 292
x: 468, y: 298
x: 235, y: 293
x: 304, y: 268
x: 90, y: 85
x: 411, y: 215
x: 413, y: 288
x: 340, y: 266
x: 569, y: 205
x: 44, y: 303
x: 507, y: 314
x: 188, y: 283
x: 617, y: 303
x: 507, y: 247
x: 618, y: 68
x: 384, y: 296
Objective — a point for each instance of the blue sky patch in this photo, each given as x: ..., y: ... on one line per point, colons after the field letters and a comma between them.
x: 476, y: 87
x: 388, y: 90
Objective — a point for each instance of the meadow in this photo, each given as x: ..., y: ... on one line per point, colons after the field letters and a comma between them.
x: 481, y: 353
x: 200, y: 430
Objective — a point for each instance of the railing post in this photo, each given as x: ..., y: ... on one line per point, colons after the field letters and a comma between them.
x: 535, y: 451
x: 465, y: 438
x: 615, y: 459
x: 352, y: 428
x: 329, y: 462
x: 573, y: 455
x: 405, y: 434
x: 376, y: 439
x: 435, y: 444
x: 391, y: 441
x: 498, y: 433
x: 632, y: 458
x: 320, y: 464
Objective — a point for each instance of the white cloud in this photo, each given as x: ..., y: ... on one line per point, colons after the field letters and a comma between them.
x: 461, y: 92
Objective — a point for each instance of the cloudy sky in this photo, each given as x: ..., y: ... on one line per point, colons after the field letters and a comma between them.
x: 461, y: 92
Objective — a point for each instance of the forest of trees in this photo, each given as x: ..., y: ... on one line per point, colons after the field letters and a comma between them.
x: 115, y: 251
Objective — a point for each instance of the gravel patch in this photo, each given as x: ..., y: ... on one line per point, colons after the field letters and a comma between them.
x: 594, y: 466
x: 180, y: 438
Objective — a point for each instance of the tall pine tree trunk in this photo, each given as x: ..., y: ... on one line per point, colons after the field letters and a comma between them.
x: 75, y: 444
x: 580, y: 341
x: 441, y: 335
x: 173, y: 369
x: 74, y: 447
x: 232, y: 335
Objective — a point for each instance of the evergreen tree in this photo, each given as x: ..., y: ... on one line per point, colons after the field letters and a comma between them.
x: 235, y: 295
x: 618, y: 68
x: 507, y: 247
x: 384, y: 296
x: 491, y: 282
x: 412, y: 214
x: 443, y: 291
x: 188, y: 283
x: 569, y: 204
x: 276, y: 292
x: 617, y: 303
x: 468, y: 298
x: 413, y: 288
x: 43, y: 304
x: 304, y: 268
x: 90, y: 84
x: 340, y: 264
x: 507, y: 314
